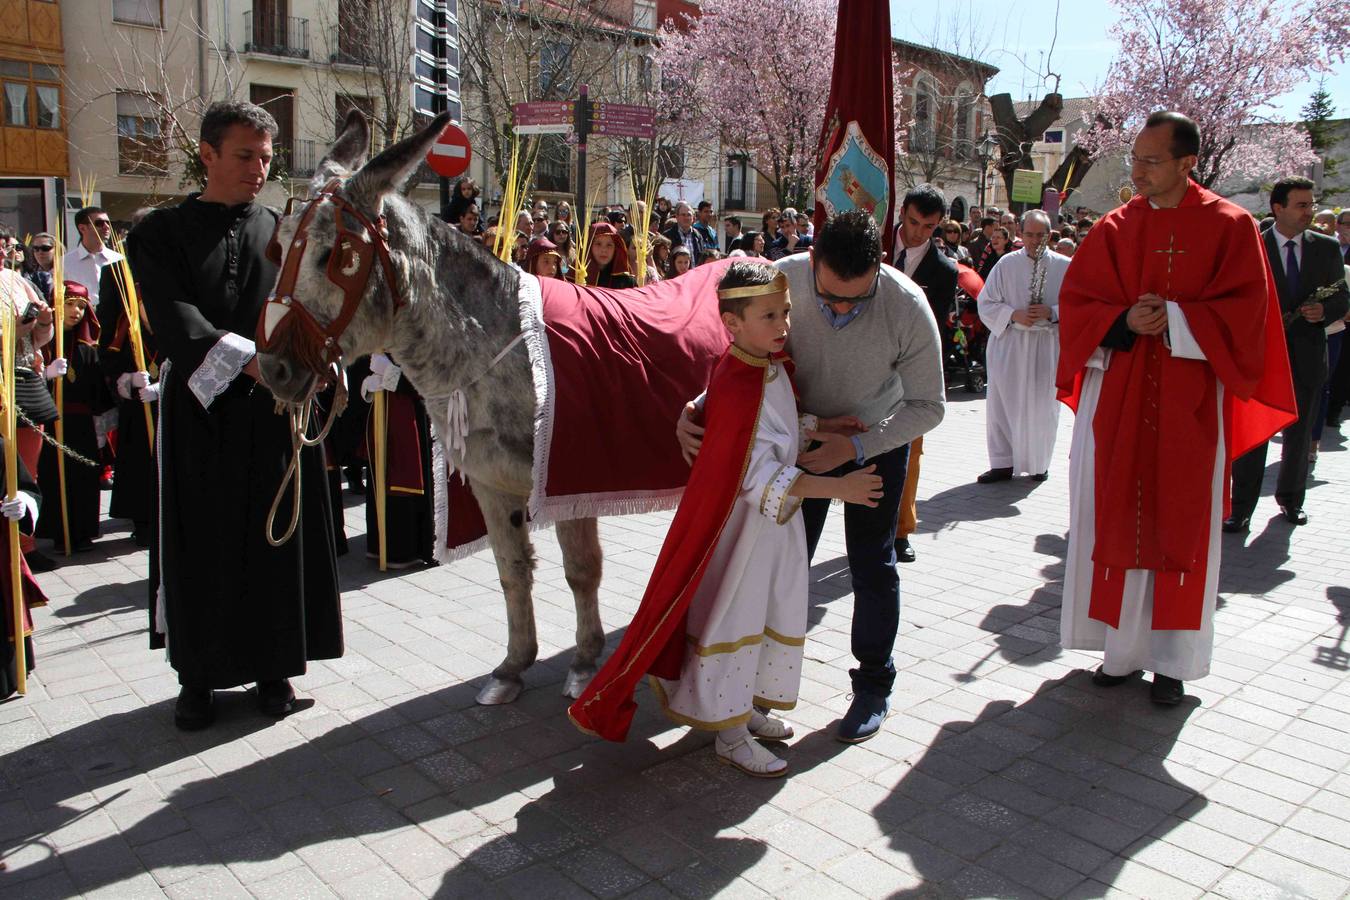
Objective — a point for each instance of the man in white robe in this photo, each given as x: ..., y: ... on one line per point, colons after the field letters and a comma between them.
x: 1020, y: 306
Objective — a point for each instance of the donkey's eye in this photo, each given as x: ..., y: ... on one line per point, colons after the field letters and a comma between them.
x: 323, y: 257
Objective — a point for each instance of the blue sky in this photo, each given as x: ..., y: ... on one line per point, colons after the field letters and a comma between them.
x: 1015, y: 35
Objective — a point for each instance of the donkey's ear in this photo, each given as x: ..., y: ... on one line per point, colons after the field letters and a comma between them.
x: 387, y: 172
x: 347, y: 152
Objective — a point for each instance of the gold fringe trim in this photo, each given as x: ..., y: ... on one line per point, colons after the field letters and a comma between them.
x: 748, y: 640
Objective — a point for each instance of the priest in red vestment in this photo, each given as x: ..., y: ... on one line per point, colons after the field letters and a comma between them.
x: 1172, y: 357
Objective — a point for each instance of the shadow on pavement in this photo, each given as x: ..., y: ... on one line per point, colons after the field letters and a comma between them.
x: 1336, y: 656
x: 1029, y: 628
x: 1029, y: 799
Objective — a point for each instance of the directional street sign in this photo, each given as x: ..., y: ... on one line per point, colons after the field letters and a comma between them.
x: 625, y: 120
x: 547, y: 117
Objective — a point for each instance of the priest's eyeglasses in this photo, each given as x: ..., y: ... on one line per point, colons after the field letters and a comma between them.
x: 1144, y: 162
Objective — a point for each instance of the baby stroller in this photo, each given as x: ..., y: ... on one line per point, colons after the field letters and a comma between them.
x: 964, y: 334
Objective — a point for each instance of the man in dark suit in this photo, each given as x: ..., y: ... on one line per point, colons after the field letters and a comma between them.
x: 684, y: 234
x: 918, y: 255
x: 1304, y: 262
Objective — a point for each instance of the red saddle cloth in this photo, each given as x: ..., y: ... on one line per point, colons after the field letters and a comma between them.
x: 612, y: 371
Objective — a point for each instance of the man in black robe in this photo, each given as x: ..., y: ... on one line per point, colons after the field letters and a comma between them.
x: 233, y: 609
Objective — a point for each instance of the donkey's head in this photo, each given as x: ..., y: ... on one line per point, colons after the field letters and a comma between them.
x: 343, y: 256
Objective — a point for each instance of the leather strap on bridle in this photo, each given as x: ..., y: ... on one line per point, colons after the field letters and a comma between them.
x: 349, y: 265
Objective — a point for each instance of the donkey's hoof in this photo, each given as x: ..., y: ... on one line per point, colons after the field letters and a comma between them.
x: 576, y: 682
x: 499, y: 690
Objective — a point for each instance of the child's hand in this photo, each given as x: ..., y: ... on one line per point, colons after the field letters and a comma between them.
x: 848, y: 426
x: 861, y: 487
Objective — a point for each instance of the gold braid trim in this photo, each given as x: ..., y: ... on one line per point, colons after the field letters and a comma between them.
x: 778, y: 285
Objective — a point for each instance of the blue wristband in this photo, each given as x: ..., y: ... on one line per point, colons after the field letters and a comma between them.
x: 859, y: 456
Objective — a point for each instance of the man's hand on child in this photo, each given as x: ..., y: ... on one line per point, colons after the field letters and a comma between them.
x: 688, y: 434
x: 848, y: 426
x: 833, y: 452
x: 861, y: 487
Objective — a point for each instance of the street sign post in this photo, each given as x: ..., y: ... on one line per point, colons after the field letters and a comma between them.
x: 580, y: 119
x: 449, y: 157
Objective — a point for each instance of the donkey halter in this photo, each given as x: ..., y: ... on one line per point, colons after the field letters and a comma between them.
x: 349, y: 266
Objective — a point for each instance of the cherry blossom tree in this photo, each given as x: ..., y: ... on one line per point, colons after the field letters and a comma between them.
x: 755, y: 75
x: 1223, y: 63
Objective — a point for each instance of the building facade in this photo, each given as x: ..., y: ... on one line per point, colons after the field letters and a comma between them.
x: 33, y: 157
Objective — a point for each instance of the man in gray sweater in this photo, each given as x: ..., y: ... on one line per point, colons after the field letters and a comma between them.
x: 865, y: 343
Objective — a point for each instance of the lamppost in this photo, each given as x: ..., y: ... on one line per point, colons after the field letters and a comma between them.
x: 985, y: 152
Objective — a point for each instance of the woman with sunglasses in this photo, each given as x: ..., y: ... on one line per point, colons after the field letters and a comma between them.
x: 39, y: 264
x: 951, y: 240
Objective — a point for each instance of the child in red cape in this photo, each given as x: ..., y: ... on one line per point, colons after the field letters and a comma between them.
x: 721, y: 627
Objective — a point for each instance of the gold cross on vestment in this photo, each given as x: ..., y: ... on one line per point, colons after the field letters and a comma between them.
x: 1171, y: 252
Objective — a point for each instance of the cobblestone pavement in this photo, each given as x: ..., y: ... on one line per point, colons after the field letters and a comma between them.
x: 1002, y: 771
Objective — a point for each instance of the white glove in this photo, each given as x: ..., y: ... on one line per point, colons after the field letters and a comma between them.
x: 149, y: 393
x: 55, y: 369
x: 13, y: 510
x: 124, y: 385
x: 379, y: 363
x: 370, y: 385
x: 140, y: 379
x: 384, y: 376
x: 102, y: 440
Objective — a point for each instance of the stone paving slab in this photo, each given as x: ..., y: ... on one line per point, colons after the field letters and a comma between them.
x: 1002, y: 771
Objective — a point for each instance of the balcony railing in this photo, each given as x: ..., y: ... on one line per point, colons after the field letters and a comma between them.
x: 298, y: 159
x: 276, y: 35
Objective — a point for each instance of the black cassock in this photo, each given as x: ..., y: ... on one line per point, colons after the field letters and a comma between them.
x: 238, y: 610
x: 86, y: 398
x: 133, y: 493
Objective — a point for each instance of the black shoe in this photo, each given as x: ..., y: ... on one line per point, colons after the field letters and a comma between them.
x: 1237, y: 524
x: 903, y: 551
x: 140, y: 538
x: 1294, y: 516
x: 1101, y: 679
x: 39, y: 562
x: 194, y: 710
x: 275, y: 698
x: 1166, y: 691
x: 356, y: 482
x: 1041, y: 477
x: 994, y: 475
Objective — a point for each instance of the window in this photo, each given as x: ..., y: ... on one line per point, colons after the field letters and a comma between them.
x: 644, y: 15
x: 737, y: 174
x: 921, y: 134
x: 48, y: 105
x: 553, y: 171
x: 965, y: 122
x: 1055, y: 137
x: 555, y: 66
x: 138, y: 12
x: 141, y: 149
x: 16, y: 104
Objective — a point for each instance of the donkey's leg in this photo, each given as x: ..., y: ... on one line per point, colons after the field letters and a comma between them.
x: 580, y: 542
x: 511, y: 547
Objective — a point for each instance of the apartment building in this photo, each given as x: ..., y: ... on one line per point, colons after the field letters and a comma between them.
x: 33, y: 158
x: 140, y: 72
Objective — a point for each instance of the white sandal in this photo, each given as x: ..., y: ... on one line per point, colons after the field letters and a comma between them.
x: 751, y: 758
x: 768, y: 728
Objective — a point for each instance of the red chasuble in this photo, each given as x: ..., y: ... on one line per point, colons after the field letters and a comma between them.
x: 655, y: 640
x: 1156, y: 425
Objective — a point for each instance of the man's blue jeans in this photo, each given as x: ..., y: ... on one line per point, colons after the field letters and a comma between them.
x: 869, y: 535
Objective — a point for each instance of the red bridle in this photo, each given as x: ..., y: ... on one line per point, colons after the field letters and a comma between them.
x: 284, y: 321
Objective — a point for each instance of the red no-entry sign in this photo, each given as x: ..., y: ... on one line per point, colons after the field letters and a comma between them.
x: 449, y: 156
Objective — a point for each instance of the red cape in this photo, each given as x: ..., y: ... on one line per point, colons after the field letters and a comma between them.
x: 655, y: 640
x: 1156, y: 426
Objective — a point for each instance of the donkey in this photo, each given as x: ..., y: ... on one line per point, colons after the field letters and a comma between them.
x: 457, y: 308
